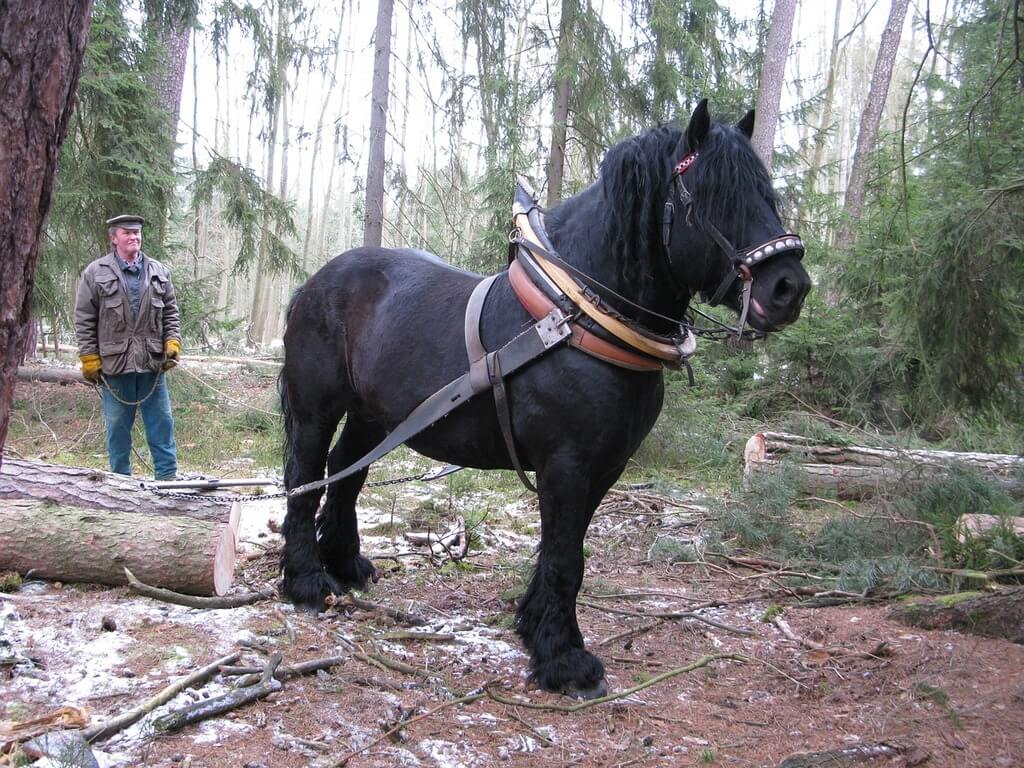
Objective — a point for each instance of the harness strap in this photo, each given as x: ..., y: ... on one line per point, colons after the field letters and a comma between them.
x: 545, y: 334
x: 485, y: 371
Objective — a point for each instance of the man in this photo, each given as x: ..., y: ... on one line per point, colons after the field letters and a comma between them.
x: 126, y: 319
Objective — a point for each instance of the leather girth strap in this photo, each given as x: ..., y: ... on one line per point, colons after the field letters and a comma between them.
x: 484, y: 367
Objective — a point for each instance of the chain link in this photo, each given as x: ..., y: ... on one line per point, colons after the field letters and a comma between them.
x: 423, y: 476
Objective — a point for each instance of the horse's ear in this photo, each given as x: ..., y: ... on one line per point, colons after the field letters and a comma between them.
x: 746, y: 125
x: 700, y: 124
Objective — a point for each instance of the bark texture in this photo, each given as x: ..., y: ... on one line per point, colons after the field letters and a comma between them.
x: 773, y: 73
x: 72, y: 544
x: 98, y: 490
x: 997, y: 615
x: 41, y: 48
x: 374, y: 228
x: 563, y: 92
x: 871, y: 117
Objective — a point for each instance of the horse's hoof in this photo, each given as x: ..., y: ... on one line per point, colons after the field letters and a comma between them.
x: 309, y: 590
x: 586, y: 694
x: 352, y: 573
x: 575, y: 673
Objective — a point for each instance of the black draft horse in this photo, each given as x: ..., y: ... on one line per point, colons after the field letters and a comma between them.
x: 377, y: 331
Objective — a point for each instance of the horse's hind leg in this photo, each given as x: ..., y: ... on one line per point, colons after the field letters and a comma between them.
x: 336, y: 526
x: 308, y: 435
x: 546, y: 618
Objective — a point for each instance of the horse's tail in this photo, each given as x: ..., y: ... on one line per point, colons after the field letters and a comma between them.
x: 282, y: 390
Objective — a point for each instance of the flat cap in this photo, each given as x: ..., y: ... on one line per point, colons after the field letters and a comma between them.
x: 126, y: 221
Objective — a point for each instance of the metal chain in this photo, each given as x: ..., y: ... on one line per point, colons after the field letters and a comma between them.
x: 424, y: 476
x: 113, y: 394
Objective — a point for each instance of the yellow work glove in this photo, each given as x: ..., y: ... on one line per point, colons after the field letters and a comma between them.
x: 172, y: 350
x: 91, y: 367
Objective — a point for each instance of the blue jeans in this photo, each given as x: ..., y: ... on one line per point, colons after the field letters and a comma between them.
x: 156, y: 417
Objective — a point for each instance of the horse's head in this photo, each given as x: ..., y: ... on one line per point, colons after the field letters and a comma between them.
x: 721, y: 227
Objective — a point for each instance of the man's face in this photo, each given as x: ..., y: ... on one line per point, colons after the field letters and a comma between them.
x: 127, y: 242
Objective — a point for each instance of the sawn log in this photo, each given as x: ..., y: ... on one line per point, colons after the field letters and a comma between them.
x: 852, y: 471
x: 96, y: 489
x: 88, y: 545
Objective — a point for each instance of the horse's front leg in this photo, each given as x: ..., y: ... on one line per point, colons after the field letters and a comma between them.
x: 546, y: 618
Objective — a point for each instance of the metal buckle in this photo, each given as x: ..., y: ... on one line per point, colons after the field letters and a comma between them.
x: 553, y: 327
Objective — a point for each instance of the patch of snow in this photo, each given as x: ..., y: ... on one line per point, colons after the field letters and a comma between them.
x: 218, y: 731
x: 446, y: 754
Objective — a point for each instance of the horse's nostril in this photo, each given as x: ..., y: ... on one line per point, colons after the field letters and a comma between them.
x: 783, y: 288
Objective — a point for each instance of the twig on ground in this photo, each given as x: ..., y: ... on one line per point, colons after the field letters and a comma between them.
x: 467, y: 699
x: 108, y: 728
x: 192, y: 601
x: 881, y: 649
x: 207, y: 708
x: 703, y: 661
x: 402, y: 617
x: 668, y: 616
x: 631, y: 632
x: 423, y: 637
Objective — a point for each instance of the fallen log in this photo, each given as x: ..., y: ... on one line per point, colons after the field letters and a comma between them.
x: 853, y: 471
x: 993, y: 615
x: 96, y: 489
x: 72, y: 544
x: 882, y: 753
x: 50, y: 374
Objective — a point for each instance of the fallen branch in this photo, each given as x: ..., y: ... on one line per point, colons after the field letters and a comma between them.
x: 192, y: 601
x: 703, y: 661
x: 108, y: 728
x: 420, y: 637
x: 207, y: 708
x: 631, y: 632
x: 283, y: 672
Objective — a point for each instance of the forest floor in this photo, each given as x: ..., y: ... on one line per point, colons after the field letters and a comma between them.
x: 912, y: 696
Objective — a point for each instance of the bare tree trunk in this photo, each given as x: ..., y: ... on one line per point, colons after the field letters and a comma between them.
x: 41, y: 49
x: 773, y: 72
x: 374, y: 227
x: 563, y: 91
x: 853, y: 206
x: 317, y: 143
x: 173, y: 35
x: 826, y: 110
x: 403, y: 193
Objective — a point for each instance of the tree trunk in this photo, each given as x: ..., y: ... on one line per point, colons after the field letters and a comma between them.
x: 996, y: 615
x: 853, y: 206
x: 773, y: 72
x: 853, y: 471
x: 317, y: 142
x: 95, y: 489
x: 71, y: 544
x: 563, y: 91
x: 825, y: 123
x: 41, y: 48
x: 374, y: 227
x: 173, y: 35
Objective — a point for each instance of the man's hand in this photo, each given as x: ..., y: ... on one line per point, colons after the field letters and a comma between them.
x: 91, y: 367
x: 172, y: 351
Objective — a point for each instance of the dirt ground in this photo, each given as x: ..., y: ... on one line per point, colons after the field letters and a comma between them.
x: 936, y: 698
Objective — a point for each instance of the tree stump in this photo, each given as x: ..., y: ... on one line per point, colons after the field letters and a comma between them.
x: 996, y: 615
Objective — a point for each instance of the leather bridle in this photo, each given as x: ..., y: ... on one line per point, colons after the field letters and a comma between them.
x: 741, y: 260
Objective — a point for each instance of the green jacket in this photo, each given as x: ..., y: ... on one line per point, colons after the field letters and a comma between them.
x: 104, y: 323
